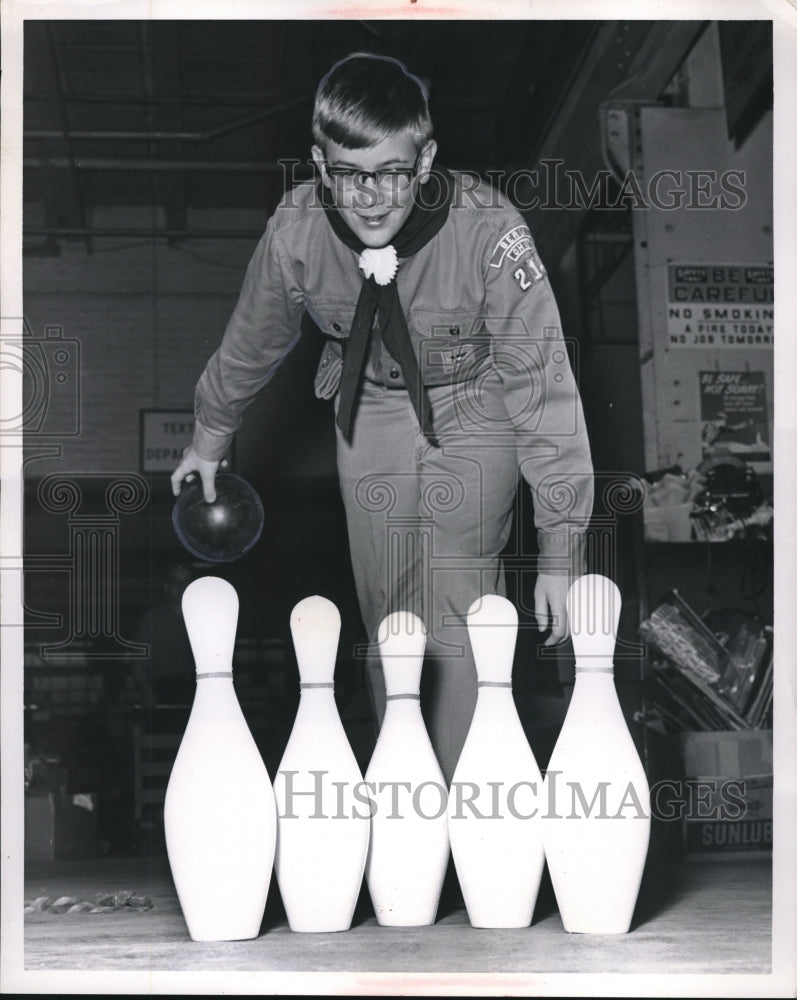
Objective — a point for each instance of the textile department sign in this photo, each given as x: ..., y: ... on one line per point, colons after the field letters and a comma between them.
x: 164, y: 434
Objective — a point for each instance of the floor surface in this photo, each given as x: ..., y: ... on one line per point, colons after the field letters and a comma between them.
x: 712, y: 917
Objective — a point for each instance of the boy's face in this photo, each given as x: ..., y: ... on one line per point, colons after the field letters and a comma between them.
x: 375, y: 211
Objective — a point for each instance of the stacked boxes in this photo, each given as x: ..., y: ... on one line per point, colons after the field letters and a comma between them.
x: 729, y: 776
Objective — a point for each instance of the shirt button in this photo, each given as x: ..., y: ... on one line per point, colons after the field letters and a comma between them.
x: 336, y: 327
x: 394, y: 373
x: 453, y: 331
x: 325, y: 362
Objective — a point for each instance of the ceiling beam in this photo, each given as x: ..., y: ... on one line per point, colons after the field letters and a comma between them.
x: 548, y: 62
x: 627, y: 61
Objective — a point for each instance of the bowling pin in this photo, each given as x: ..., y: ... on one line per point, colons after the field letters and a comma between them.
x: 596, y: 817
x: 409, y: 848
x: 322, y: 829
x: 494, y: 802
x: 219, y: 813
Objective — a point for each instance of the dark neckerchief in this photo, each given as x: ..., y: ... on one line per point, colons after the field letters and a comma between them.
x: 427, y: 218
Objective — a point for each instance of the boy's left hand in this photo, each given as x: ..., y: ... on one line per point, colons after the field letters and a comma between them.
x: 550, y: 605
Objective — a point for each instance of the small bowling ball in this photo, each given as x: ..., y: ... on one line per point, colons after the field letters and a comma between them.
x: 224, y: 530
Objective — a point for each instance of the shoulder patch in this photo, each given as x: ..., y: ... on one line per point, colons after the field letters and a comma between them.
x: 511, y: 246
x: 516, y: 248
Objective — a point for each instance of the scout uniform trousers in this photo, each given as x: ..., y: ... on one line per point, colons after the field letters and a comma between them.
x: 427, y: 524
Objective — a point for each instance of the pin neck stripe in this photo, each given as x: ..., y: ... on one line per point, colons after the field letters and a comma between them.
x: 395, y: 697
x: 317, y: 684
x: 214, y: 673
x: 594, y: 670
x: 494, y: 684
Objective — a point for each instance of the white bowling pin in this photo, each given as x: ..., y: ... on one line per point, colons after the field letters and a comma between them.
x: 219, y: 813
x: 596, y: 817
x: 496, y: 791
x: 409, y: 848
x: 322, y: 829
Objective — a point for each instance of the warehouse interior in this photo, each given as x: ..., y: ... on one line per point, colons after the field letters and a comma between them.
x: 640, y: 154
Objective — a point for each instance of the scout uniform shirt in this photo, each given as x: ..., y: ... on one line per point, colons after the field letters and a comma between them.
x: 476, y: 294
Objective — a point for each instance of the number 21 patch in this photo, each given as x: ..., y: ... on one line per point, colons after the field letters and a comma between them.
x: 529, y: 271
x: 516, y: 249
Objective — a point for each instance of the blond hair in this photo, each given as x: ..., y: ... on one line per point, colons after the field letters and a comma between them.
x: 364, y: 98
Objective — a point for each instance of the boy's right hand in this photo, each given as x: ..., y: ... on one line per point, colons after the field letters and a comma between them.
x: 192, y: 464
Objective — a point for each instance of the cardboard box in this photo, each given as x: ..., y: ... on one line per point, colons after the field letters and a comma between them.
x: 668, y: 524
x: 60, y: 826
x: 729, y: 784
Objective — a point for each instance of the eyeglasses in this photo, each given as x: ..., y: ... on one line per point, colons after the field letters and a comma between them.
x: 392, y: 179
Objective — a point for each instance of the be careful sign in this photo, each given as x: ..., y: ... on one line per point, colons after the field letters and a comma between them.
x: 720, y: 305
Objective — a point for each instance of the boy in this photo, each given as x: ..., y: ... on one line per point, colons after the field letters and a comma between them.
x: 447, y: 368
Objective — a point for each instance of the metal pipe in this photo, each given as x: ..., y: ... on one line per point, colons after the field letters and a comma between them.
x: 206, y: 136
x: 100, y: 163
x: 293, y: 170
x: 230, y: 99
x: 147, y: 234
x: 70, y: 162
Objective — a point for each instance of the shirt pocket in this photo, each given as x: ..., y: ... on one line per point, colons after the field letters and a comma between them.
x: 452, y: 345
x: 330, y: 367
x: 333, y: 317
